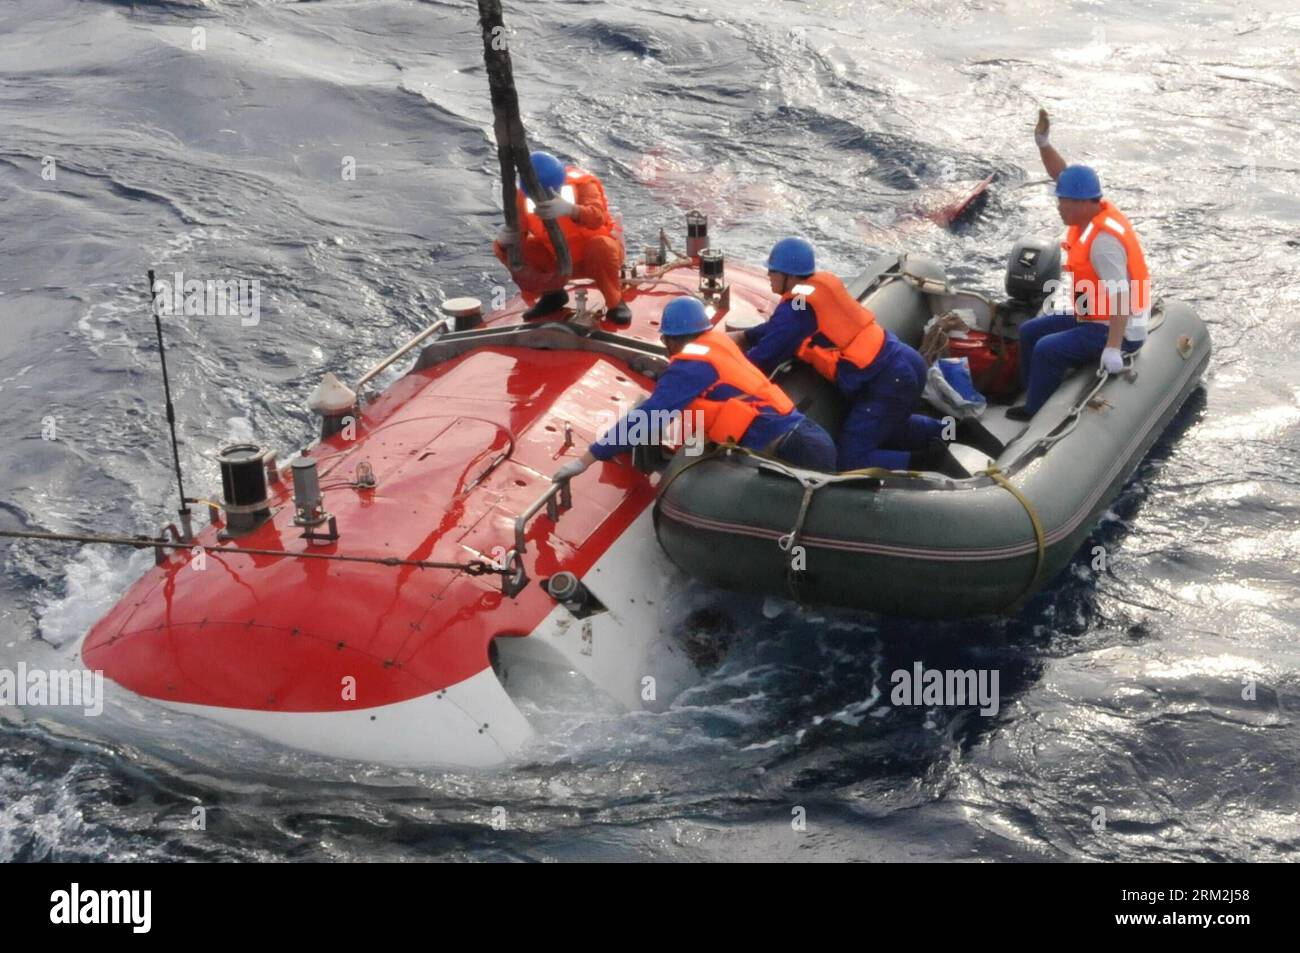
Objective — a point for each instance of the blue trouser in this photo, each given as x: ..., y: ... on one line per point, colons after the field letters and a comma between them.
x: 880, y: 429
x: 807, y: 446
x: 1053, y: 344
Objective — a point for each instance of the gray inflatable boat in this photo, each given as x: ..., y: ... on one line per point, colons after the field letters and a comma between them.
x: 926, y: 545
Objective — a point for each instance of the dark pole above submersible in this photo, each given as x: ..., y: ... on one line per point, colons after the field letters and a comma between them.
x: 187, y: 529
x: 512, y: 143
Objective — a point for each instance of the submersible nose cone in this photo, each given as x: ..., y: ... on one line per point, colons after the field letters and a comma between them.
x: 332, y: 397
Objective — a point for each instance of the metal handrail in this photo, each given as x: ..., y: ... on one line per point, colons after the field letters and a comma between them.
x: 371, y: 374
x: 554, y: 507
x: 552, y: 335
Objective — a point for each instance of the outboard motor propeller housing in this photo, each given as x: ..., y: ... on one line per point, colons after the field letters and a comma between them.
x: 1033, y: 271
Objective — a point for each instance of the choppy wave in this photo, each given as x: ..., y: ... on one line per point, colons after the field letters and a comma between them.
x: 1122, y: 691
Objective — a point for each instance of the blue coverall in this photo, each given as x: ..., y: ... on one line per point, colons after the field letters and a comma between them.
x: 880, y: 429
x: 792, y: 437
x: 1052, y: 344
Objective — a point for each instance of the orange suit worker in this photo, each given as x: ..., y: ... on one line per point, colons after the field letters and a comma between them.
x: 579, y: 205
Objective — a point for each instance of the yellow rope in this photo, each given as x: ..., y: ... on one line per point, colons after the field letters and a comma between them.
x: 998, y: 477
x: 875, y: 473
x: 993, y: 473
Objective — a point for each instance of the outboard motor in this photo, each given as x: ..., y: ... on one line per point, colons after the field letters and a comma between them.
x: 1033, y: 273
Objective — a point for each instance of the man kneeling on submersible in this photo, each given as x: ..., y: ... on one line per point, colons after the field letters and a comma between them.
x: 709, y: 377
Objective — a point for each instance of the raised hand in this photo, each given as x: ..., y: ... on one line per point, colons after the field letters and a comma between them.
x: 1043, y: 126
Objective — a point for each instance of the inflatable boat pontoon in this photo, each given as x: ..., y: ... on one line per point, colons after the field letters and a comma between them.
x: 922, y: 544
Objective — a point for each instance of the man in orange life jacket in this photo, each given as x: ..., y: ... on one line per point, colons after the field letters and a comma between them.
x: 820, y: 323
x: 1111, y: 286
x: 578, y: 203
x: 709, y: 376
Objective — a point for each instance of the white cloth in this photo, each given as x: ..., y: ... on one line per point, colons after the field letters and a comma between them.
x: 944, y: 397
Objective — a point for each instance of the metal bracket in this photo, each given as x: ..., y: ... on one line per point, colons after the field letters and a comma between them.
x: 557, y: 498
x: 309, y: 532
x: 514, y: 578
x: 642, y: 357
x: 720, y: 298
x: 160, y: 553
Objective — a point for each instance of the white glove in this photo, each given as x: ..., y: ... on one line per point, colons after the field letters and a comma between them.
x: 1042, y: 130
x: 508, y: 236
x: 555, y: 208
x: 1112, y: 360
x: 569, y: 471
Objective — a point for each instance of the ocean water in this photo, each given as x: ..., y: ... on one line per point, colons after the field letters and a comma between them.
x: 1147, y: 712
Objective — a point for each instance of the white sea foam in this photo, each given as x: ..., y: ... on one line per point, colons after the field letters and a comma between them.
x: 94, y: 579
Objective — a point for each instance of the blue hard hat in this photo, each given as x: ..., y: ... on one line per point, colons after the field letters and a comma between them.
x: 550, y: 171
x: 1078, y: 182
x: 682, y: 316
x: 792, y: 256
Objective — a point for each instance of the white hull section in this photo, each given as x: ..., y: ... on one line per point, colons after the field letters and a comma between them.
x: 626, y: 652
x: 620, y: 649
x: 472, y: 724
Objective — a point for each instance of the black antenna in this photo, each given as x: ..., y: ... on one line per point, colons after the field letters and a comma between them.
x: 187, y: 532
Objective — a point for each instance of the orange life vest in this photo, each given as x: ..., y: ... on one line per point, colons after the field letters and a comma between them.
x: 728, y: 418
x: 574, y: 234
x: 851, y: 327
x: 1092, y: 297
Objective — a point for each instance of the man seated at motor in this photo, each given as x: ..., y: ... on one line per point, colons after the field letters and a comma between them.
x: 1111, y: 286
x: 708, y: 377
x: 820, y: 323
x: 579, y: 205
